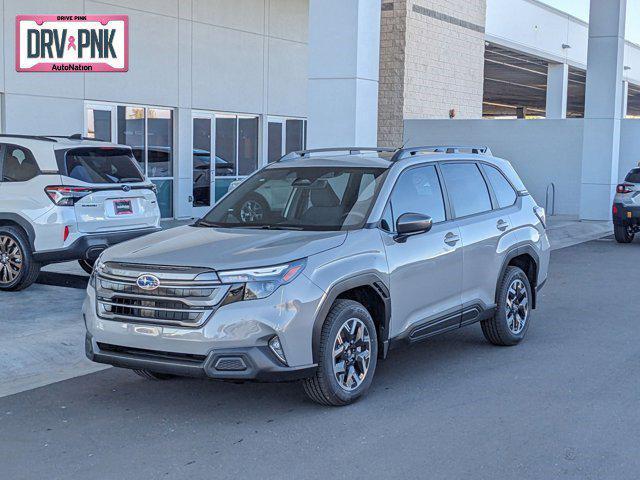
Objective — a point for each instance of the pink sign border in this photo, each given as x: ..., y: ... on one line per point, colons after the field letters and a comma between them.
x: 96, y: 67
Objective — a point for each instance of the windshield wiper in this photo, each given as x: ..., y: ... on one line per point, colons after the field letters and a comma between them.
x: 268, y: 227
x: 203, y: 223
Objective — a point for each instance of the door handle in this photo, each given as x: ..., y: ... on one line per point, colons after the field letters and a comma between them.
x: 451, y: 239
x: 502, y: 225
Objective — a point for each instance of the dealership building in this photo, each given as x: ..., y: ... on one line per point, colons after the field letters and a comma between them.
x: 218, y: 88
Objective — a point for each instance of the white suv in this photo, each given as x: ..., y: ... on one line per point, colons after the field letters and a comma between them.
x: 67, y: 198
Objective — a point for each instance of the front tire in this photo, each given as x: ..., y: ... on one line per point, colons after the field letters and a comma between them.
x: 511, y: 321
x: 623, y: 234
x: 347, y: 357
x: 18, y: 269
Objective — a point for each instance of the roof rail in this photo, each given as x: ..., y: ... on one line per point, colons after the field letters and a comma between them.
x: 350, y: 150
x: 411, y: 151
x: 45, y: 138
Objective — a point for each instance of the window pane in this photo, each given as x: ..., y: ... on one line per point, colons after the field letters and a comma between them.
x: 201, y: 162
x: 222, y: 187
x: 295, y: 136
x: 418, y: 191
x: 165, y: 197
x: 274, y: 141
x: 99, y: 124
x: 19, y: 165
x: 131, y: 131
x: 247, y: 145
x: 505, y: 194
x: 226, y: 136
x: 99, y: 165
x: 467, y: 189
x: 160, y: 138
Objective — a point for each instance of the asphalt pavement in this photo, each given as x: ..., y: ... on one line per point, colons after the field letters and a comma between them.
x: 563, y: 404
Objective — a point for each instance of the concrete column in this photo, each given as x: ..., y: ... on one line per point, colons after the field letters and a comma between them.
x: 344, y: 55
x: 603, y: 108
x: 625, y: 97
x: 557, y: 83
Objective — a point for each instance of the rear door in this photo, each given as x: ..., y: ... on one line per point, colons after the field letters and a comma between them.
x: 484, y: 227
x: 112, y: 192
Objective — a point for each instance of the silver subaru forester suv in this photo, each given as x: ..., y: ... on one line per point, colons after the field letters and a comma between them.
x: 317, y: 265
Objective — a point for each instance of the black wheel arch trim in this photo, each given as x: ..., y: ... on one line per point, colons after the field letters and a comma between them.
x: 363, y: 280
x: 516, y: 252
x: 24, y: 224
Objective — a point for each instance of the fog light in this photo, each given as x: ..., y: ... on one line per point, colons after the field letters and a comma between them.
x: 276, y: 347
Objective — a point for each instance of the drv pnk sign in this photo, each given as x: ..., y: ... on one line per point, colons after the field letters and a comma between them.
x: 72, y: 43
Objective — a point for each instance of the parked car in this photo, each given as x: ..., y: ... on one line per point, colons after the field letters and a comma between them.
x: 67, y: 198
x: 626, y: 208
x: 373, y: 249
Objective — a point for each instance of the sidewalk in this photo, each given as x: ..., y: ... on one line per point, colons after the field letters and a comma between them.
x: 564, y: 231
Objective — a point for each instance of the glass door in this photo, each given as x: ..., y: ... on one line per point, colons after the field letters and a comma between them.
x: 99, y: 122
x: 203, y: 163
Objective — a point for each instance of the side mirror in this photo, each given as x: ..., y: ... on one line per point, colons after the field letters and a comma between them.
x: 412, y: 224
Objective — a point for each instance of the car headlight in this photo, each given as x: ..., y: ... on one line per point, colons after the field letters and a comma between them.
x: 98, y: 267
x: 254, y: 283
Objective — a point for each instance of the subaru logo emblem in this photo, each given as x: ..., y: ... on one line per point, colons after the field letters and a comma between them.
x: 126, y: 188
x: 146, y: 281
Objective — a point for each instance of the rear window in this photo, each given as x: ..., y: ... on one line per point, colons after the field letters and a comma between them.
x: 633, y: 176
x: 102, y: 165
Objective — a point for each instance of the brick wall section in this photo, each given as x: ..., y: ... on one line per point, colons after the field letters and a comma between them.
x: 393, y: 25
x: 431, y: 60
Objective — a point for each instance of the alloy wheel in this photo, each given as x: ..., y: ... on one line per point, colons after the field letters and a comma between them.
x: 351, y: 354
x: 10, y: 259
x: 251, y: 211
x: 517, y: 306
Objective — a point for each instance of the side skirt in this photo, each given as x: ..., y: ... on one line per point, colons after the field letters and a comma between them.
x: 446, y: 323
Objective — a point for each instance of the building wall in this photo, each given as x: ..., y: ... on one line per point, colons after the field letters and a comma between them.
x: 241, y: 56
x: 393, y: 29
x: 541, y: 151
x: 445, y: 58
x: 431, y: 61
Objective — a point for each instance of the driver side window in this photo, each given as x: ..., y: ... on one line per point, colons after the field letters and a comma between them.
x: 418, y: 191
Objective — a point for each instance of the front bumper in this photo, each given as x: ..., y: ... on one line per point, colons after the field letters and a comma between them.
x: 89, y: 247
x: 238, y: 364
x: 240, y: 330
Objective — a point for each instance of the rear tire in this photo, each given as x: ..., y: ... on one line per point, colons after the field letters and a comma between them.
x: 511, y: 321
x: 623, y: 234
x: 87, y: 265
x: 18, y: 269
x: 349, y: 344
x: 149, y: 375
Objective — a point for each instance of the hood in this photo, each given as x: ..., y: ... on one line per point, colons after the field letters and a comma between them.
x: 222, y: 248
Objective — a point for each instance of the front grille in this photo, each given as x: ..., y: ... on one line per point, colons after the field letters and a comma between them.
x: 180, y: 300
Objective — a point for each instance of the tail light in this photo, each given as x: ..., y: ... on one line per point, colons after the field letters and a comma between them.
x: 541, y: 214
x: 65, y: 233
x: 65, y: 196
x: 624, y: 188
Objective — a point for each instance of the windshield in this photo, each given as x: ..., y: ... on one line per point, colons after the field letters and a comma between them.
x: 102, y: 165
x: 301, y: 198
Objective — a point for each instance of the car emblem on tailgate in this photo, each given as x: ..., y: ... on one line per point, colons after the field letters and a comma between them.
x: 126, y: 188
x: 146, y: 281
